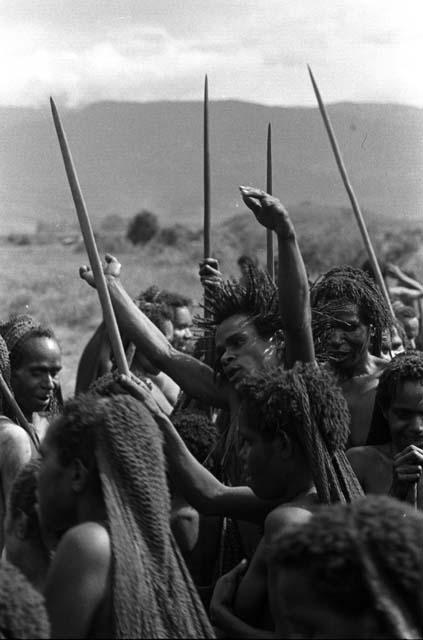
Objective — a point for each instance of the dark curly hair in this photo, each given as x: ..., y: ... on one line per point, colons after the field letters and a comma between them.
x: 257, y: 299
x: 305, y: 403
x: 350, y: 550
x: 23, y: 497
x: 340, y: 286
x: 197, y: 431
x: 22, y: 609
x: 405, y: 366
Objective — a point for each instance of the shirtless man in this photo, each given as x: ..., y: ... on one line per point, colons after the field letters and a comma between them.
x: 35, y: 363
x: 104, y: 508
x: 349, y: 318
x: 394, y: 466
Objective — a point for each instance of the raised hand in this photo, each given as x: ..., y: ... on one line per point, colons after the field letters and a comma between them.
x: 269, y: 211
x: 111, y: 269
x: 210, y: 275
x: 407, y: 471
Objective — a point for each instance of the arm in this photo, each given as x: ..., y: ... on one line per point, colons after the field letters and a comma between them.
x: 412, y: 294
x: 95, y: 360
x: 294, y: 297
x: 396, y: 272
x: 193, y: 376
x: 194, y: 482
x: 78, y: 580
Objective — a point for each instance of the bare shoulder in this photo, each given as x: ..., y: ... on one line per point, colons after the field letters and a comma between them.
x: 283, y: 516
x: 88, y: 539
x: 365, y: 454
x: 13, y: 440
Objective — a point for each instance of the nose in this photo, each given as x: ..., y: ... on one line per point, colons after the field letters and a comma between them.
x: 226, y: 358
x: 336, y: 337
x: 416, y: 424
x: 187, y: 333
x: 48, y: 382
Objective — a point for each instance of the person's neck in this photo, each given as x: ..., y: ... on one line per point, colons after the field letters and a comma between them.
x: 91, y: 508
x: 35, y: 567
x: 363, y: 367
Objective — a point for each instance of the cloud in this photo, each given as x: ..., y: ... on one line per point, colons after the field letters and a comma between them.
x: 127, y: 50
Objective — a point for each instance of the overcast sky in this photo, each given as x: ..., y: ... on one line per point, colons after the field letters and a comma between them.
x: 88, y: 50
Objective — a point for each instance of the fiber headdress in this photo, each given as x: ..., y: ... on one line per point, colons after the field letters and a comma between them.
x: 153, y: 593
x: 362, y: 555
x: 18, y: 329
x: 4, y: 368
x: 305, y: 403
x: 22, y: 611
x: 342, y: 285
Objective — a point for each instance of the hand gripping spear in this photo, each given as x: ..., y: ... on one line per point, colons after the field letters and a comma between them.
x: 90, y: 245
x: 269, y: 189
x: 351, y: 194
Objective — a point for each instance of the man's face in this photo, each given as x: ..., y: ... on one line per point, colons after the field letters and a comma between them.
x: 348, y: 338
x: 405, y: 415
x: 182, y: 324
x: 56, y: 500
x: 240, y: 350
x: 299, y: 612
x: 34, y: 380
x: 391, y: 345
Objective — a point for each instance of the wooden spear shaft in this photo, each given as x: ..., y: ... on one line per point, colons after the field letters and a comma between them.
x: 269, y: 189
x: 90, y: 245
x: 22, y: 421
x: 206, y: 151
x: 351, y: 194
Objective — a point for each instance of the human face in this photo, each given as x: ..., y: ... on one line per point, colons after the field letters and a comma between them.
x: 240, y: 350
x: 348, y: 339
x: 405, y: 415
x: 182, y: 324
x: 56, y: 499
x: 300, y: 612
x: 391, y: 346
x: 411, y: 327
x: 34, y: 380
x: 264, y: 466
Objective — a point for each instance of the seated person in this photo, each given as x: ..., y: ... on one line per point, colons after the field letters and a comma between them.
x: 24, y: 545
x: 22, y: 610
x: 104, y: 508
x: 352, y: 571
x: 393, y: 464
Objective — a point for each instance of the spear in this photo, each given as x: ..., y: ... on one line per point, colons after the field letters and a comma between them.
x: 351, y: 194
x: 22, y: 421
x: 206, y: 151
x: 90, y: 245
x: 269, y: 189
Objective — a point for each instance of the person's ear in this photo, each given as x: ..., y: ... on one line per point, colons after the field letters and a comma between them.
x: 285, y: 445
x: 79, y: 475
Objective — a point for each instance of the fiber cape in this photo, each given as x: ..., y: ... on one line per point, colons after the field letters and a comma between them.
x: 153, y: 593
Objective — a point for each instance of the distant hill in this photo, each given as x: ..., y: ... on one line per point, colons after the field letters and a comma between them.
x: 132, y: 156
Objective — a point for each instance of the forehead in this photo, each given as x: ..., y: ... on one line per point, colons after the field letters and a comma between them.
x: 347, y: 312
x: 37, y: 349
x: 235, y: 324
x: 182, y: 316
x: 409, y: 393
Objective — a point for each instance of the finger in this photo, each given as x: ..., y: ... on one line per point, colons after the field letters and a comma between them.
x: 252, y: 204
x: 409, y: 477
x: 412, y: 457
x: 251, y: 192
x: 84, y: 271
x: 109, y: 258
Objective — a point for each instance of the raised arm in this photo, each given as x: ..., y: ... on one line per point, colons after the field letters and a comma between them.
x: 94, y: 361
x: 194, y: 482
x: 193, y: 376
x: 294, y: 297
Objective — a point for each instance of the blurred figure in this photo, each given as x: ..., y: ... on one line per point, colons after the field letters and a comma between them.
x: 24, y: 545
x: 22, y: 610
x: 351, y: 571
x: 407, y: 316
x: 245, y: 264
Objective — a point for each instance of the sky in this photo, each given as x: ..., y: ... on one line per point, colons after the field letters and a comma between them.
x: 83, y: 51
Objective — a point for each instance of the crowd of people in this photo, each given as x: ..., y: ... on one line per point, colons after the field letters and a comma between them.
x: 259, y: 476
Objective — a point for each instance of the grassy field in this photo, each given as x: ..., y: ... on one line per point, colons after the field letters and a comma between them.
x: 44, y: 281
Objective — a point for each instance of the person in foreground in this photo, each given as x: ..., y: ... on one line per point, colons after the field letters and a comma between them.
x: 393, y: 463
x: 104, y: 507
x: 351, y: 571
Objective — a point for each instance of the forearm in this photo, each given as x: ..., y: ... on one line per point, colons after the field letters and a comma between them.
x: 294, y: 301
x: 202, y: 489
x: 233, y: 627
